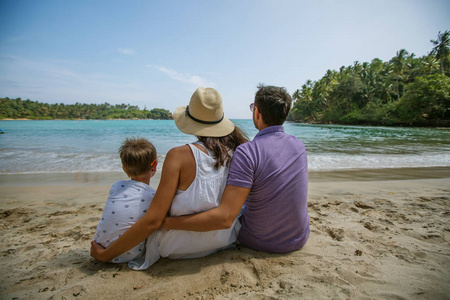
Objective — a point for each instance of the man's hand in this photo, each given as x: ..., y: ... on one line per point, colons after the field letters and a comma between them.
x: 97, y: 251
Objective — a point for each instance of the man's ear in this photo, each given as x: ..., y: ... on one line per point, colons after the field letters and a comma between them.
x: 257, y: 113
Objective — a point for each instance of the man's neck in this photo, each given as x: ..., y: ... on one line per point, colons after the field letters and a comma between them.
x: 262, y: 126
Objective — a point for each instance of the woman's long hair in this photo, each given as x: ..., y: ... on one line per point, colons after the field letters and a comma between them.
x: 221, y: 146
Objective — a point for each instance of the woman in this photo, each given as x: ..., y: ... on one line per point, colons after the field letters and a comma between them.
x: 192, y: 180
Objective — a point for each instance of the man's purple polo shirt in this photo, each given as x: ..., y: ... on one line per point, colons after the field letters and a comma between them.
x: 275, y: 168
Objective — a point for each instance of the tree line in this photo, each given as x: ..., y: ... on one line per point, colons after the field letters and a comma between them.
x: 27, y: 109
x: 406, y: 90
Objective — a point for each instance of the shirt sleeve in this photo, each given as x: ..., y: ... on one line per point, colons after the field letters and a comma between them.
x: 241, y: 169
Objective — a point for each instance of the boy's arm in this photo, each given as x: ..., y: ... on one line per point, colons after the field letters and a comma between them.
x: 221, y: 217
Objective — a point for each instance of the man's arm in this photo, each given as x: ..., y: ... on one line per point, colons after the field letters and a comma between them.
x: 221, y: 217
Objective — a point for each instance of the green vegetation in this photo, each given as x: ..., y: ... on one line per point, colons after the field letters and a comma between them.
x: 19, y: 109
x: 404, y: 91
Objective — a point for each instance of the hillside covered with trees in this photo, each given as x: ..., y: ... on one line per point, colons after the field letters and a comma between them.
x: 407, y: 90
x: 27, y: 109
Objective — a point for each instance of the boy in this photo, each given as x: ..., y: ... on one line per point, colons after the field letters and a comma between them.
x: 129, y: 200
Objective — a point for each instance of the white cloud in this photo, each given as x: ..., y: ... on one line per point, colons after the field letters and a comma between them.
x: 184, y: 77
x: 126, y: 51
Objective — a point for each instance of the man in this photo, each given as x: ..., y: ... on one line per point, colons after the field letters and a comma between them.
x: 269, y: 174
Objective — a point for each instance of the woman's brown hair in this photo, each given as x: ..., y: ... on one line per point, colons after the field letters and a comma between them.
x: 221, y: 146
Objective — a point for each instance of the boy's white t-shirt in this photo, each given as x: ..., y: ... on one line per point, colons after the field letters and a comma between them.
x: 128, y: 201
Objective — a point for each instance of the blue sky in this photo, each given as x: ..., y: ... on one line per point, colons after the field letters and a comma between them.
x: 156, y: 53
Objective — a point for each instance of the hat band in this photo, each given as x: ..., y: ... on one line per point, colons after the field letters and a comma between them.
x: 201, y: 121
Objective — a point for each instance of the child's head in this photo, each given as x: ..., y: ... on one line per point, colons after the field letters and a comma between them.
x: 137, y: 155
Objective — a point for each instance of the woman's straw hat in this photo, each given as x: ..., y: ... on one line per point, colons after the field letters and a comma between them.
x: 204, y: 115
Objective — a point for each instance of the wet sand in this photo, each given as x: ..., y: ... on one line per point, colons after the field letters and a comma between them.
x: 380, y: 234
x: 107, y: 178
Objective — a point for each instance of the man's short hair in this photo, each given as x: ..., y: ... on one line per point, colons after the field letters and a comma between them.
x: 274, y: 104
x: 137, y: 154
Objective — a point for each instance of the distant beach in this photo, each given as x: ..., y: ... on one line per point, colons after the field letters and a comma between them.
x: 107, y: 178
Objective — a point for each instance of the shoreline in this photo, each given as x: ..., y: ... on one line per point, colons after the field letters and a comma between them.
x: 119, y: 119
x: 436, y: 123
x: 108, y: 178
x: 444, y: 124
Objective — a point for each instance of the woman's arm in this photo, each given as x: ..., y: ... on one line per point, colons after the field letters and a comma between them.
x: 221, y: 217
x: 155, y: 215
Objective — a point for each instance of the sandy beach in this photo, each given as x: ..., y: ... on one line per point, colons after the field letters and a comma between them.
x: 380, y: 234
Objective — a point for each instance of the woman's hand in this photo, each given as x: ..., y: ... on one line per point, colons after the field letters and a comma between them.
x: 97, y: 251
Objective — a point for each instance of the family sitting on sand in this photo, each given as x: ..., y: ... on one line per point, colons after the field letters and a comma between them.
x: 219, y: 190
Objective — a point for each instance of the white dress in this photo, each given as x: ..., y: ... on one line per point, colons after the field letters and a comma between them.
x: 204, y: 193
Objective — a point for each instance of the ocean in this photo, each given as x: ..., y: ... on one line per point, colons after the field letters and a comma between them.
x: 29, y: 147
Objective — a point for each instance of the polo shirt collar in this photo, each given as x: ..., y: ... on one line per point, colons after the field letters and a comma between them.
x: 270, y: 129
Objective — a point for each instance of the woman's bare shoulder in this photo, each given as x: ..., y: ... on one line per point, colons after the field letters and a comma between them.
x: 179, y: 155
x: 181, y: 150
x: 181, y: 160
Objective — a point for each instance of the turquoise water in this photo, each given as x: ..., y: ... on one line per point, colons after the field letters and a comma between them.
x: 86, y: 146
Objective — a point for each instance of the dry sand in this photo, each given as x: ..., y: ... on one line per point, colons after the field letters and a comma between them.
x: 374, y: 235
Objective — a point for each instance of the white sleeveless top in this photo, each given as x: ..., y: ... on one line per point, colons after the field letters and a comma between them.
x: 204, y: 193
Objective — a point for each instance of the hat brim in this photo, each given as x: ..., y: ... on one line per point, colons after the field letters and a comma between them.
x: 189, y: 126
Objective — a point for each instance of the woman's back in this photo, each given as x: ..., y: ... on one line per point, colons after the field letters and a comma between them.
x: 204, y: 193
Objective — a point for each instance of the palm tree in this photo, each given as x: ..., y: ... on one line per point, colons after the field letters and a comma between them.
x: 296, y: 95
x: 398, y: 63
x: 442, y: 48
x: 357, y: 68
x: 430, y: 64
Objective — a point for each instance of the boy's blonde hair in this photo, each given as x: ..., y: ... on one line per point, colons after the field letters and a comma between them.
x: 137, y: 156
